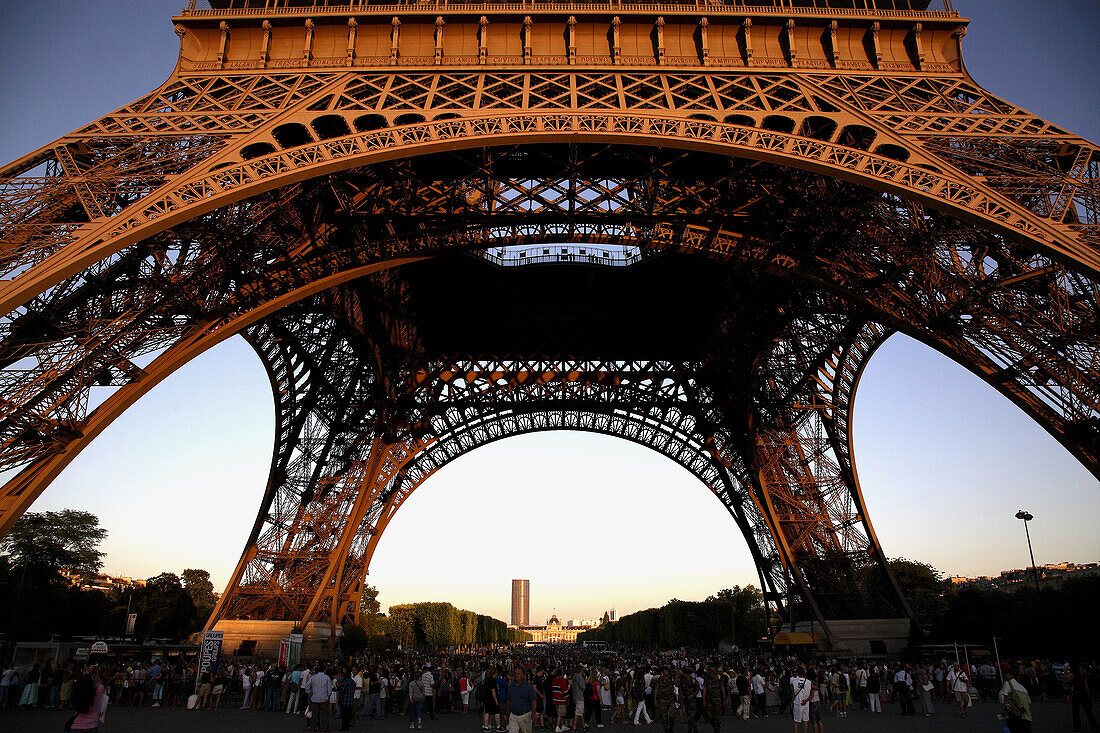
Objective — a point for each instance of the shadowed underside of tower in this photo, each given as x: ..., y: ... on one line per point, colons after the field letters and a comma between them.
x: 443, y: 224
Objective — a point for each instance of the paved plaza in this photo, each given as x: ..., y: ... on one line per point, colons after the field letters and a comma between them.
x: 982, y: 719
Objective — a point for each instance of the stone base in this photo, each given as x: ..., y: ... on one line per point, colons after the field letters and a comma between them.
x: 261, y: 638
x: 877, y: 637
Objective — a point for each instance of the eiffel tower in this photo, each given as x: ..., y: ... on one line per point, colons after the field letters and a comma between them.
x: 440, y: 224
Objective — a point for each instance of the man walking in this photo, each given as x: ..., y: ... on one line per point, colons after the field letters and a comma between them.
x: 345, y: 698
x: 759, y: 695
x: 521, y: 703
x: 560, y: 692
x: 903, y: 686
x: 688, y: 688
x: 319, y: 688
x: 744, y: 694
x: 800, y: 700
x: 861, y: 685
x: 645, y: 699
x: 664, y: 699
x: 576, y: 690
x: 714, y: 696
x: 427, y: 681
x: 960, y: 686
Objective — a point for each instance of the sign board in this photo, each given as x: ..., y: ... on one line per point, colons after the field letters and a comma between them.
x: 131, y: 622
x: 794, y: 637
x: 81, y: 653
x: 99, y: 647
x: 209, y: 652
x: 294, y: 652
x: 284, y: 652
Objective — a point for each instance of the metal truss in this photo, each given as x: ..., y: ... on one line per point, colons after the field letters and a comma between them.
x: 356, y: 472
x: 249, y: 196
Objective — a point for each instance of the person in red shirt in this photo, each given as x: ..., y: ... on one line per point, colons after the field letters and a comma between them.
x: 464, y: 691
x: 560, y: 688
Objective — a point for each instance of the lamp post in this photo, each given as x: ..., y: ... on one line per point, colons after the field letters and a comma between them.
x: 1026, y: 517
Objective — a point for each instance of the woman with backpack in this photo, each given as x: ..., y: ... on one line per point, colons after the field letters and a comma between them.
x: 841, y: 693
x: 416, y: 701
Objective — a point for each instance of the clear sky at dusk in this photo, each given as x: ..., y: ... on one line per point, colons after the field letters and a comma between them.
x: 944, y: 460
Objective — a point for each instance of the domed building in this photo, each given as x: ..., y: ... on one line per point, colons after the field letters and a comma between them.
x: 554, y: 632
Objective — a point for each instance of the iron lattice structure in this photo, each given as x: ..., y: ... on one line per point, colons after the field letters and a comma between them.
x: 443, y: 224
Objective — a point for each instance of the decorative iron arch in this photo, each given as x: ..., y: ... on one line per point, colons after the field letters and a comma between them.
x: 955, y: 280
x: 230, y: 193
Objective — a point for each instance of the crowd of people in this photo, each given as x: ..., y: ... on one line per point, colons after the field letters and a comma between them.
x: 566, y: 688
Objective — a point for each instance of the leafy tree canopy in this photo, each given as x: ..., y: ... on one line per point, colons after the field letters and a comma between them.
x: 922, y: 585
x: 197, y: 584
x: 165, y: 609
x: 64, y: 540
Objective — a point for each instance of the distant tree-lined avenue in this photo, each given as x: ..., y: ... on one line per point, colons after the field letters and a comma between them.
x: 45, y: 550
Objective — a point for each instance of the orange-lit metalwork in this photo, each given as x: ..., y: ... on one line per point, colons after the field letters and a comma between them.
x: 442, y: 224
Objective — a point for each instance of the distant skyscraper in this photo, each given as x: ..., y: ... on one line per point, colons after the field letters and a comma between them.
x: 613, y: 615
x: 521, y: 602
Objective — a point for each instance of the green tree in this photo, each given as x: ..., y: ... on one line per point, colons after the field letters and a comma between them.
x: 368, y: 600
x: 197, y: 584
x: 370, y: 610
x: 733, y: 614
x: 353, y: 639
x: 165, y: 609
x: 922, y: 585
x: 52, y: 541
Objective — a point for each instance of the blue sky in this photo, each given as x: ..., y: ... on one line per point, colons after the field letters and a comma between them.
x: 944, y: 460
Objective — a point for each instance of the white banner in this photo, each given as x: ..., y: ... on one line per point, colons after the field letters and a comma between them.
x: 295, y: 651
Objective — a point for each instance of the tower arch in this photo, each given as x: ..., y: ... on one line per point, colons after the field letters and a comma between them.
x: 245, y: 187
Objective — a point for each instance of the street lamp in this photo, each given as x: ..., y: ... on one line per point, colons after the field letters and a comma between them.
x: 1026, y: 517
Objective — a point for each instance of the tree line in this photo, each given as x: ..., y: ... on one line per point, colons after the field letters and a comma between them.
x: 1026, y: 622
x: 442, y: 625
x: 37, y: 601
x: 428, y: 624
x: 732, y: 616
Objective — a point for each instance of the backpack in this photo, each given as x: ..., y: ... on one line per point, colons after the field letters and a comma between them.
x: 1016, y: 705
x: 842, y: 683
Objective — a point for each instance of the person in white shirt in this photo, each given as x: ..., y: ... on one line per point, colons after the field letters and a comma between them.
x: 5, y: 685
x: 960, y: 685
x: 1017, y: 704
x: 357, y: 678
x: 319, y: 689
x: 303, y: 697
x: 759, y: 695
x: 246, y: 686
x: 642, y: 706
x: 800, y: 700
x: 427, y: 682
x: 903, y: 690
x: 1011, y: 685
x: 605, y: 689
